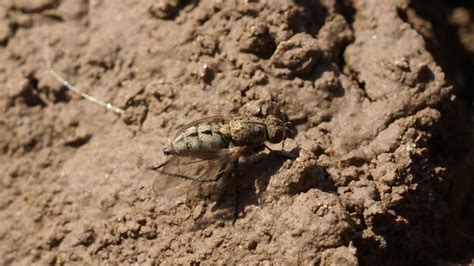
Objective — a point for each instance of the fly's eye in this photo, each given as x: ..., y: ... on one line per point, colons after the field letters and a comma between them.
x: 276, y: 134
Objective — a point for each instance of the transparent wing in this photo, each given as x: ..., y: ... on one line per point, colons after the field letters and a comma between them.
x: 180, y: 174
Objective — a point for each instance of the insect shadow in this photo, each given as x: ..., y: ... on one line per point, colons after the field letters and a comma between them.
x: 243, y: 187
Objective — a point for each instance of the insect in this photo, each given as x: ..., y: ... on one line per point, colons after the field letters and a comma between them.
x: 208, y: 148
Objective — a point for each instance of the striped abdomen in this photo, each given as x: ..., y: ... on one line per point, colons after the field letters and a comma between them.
x: 200, y: 138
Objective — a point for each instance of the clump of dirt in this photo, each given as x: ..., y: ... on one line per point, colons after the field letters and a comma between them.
x: 358, y: 80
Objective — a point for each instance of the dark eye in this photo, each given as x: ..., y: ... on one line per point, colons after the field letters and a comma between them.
x: 276, y: 134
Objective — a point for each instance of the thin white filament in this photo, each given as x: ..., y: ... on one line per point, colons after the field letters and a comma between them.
x: 72, y: 88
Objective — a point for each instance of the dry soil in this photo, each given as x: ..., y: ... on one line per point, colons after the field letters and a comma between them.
x: 378, y: 90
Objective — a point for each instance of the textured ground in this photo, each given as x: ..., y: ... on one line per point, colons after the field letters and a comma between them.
x: 380, y: 92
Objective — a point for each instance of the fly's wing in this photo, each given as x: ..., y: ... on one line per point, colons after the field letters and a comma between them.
x: 210, y: 119
x: 180, y: 174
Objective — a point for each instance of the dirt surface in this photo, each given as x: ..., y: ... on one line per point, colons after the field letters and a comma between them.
x: 370, y: 85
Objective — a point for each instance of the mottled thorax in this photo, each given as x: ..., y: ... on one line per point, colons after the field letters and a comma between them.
x: 248, y: 130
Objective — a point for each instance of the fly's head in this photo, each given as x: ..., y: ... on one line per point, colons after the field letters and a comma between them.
x: 277, y: 129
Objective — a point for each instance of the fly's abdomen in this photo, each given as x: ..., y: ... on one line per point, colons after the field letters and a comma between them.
x: 201, y: 138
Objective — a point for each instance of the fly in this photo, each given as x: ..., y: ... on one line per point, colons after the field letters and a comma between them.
x: 209, y: 148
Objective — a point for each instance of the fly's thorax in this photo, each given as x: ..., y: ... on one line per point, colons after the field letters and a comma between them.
x: 200, y: 138
x: 247, y: 130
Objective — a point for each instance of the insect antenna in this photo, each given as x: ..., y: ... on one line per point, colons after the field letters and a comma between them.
x: 71, y: 87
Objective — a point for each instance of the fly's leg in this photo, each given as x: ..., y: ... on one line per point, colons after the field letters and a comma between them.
x: 282, y: 154
x: 236, y: 187
x: 155, y: 168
